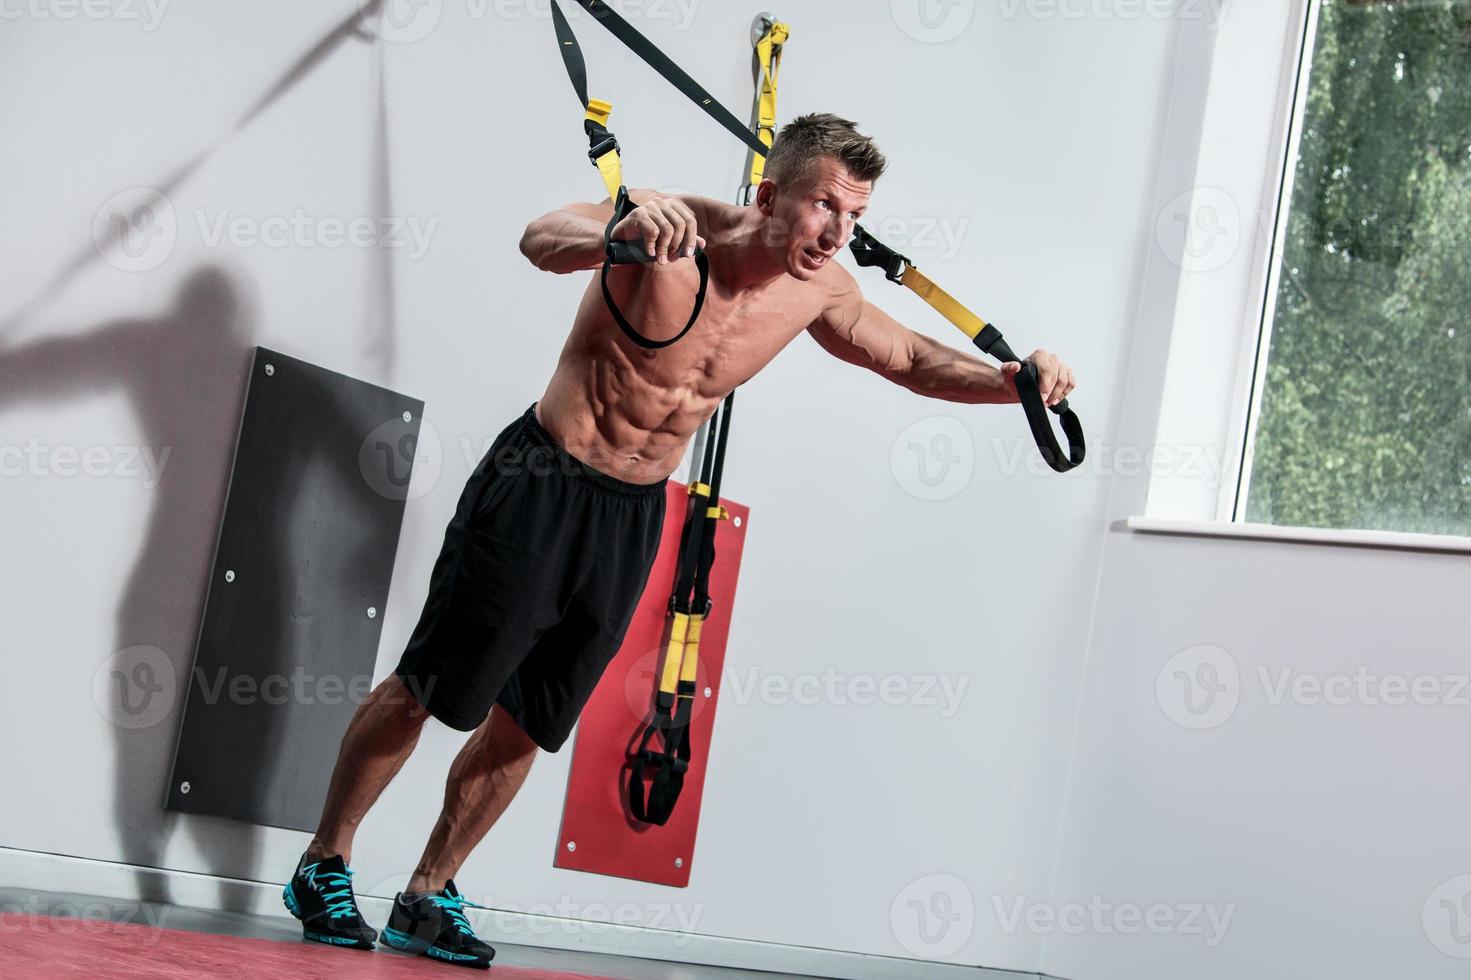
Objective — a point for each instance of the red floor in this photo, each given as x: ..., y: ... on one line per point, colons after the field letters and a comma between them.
x: 37, y: 947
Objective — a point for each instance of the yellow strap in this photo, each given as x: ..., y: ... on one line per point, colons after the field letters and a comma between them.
x: 703, y: 489
x: 689, y: 669
x: 717, y: 512
x: 948, y: 306
x: 768, y: 52
x: 674, y: 655
x: 610, y: 165
x: 682, y: 658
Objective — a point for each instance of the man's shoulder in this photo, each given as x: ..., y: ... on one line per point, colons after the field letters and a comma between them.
x: 711, y: 213
x: 832, y: 296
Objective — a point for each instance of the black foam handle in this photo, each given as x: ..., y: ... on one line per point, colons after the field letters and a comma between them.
x: 632, y: 253
x: 1028, y: 391
x: 627, y: 253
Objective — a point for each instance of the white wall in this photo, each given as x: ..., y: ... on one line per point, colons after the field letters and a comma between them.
x: 1321, y: 829
x: 1025, y: 150
x: 1303, y: 821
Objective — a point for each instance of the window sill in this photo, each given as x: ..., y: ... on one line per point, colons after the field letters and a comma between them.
x: 1395, y: 540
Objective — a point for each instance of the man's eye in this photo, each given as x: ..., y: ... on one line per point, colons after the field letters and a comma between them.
x: 824, y: 205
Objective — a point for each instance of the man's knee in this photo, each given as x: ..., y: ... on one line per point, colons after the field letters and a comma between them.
x: 393, y: 700
x: 506, y: 738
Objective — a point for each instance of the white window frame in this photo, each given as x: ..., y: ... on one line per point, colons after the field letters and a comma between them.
x: 1224, y: 304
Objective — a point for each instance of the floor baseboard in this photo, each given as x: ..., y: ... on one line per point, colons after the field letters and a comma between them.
x: 42, y: 872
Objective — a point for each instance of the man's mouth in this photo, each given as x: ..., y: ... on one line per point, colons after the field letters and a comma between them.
x: 814, y: 259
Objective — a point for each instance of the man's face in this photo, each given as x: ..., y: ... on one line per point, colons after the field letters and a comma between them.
x: 811, y: 220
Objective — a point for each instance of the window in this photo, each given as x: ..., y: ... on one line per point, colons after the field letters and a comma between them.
x: 1361, y: 407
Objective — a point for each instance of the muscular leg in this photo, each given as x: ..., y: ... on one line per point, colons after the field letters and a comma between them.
x: 482, y: 781
x: 382, y: 734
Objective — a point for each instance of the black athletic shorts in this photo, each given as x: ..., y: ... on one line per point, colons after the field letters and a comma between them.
x: 542, y: 566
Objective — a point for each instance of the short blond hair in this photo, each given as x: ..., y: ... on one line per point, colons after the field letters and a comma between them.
x: 805, y: 139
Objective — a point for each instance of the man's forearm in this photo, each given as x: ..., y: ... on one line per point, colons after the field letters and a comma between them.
x: 937, y: 370
x: 563, y: 241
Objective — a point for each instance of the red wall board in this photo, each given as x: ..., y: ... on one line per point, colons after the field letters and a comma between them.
x: 599, y: 833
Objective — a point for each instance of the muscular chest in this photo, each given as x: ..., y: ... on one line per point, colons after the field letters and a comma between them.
x: 732, y: 340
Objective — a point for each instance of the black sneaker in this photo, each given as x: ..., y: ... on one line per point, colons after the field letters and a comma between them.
x: 435, y: 925
x: 320, y: 895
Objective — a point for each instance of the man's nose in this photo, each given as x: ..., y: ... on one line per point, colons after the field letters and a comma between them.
x: 834, y: 233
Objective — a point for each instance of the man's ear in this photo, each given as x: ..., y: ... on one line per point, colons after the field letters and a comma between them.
x: 766, y: 196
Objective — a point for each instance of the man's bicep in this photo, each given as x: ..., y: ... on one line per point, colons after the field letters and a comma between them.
x: 600, y: 212
x: 862, y: 334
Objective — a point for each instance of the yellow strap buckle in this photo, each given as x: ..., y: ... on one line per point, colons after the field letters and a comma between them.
x: 604, y: 152
x: 599, y: 111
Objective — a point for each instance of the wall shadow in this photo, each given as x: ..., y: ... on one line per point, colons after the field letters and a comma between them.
x: 183, y: 373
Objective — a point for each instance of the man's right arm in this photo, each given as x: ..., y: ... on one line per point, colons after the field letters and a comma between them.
x: 570, y: 239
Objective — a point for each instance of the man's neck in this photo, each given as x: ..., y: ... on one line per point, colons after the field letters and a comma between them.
x: 742, y: 261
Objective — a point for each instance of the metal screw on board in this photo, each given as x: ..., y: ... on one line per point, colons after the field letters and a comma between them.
x: 270, y: 370
x: 679, y: 862
x: 736, y: 521
x: 408, y: 416
x: 184, y: 787
x: 572, y: 845
x: 372, y: 612
x: 229, y: 575
x: 707, y: 692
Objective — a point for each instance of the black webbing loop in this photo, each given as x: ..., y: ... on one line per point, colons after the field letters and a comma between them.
x: 620, y: 253
x: 669, y: 766
x: 990, y: 341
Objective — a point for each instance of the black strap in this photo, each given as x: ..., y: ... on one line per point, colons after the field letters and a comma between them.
x: 670, y: 720
x: 672, y: 73
x: 601, y: 141
x: 572, y: 58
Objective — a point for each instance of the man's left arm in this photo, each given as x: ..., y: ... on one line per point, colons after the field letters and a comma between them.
x: 860, y: 333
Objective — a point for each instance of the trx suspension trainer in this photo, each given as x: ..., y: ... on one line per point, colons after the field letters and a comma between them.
x: 867, y: 250
x: 690, y: 603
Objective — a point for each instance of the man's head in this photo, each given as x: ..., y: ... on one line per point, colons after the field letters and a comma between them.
x: 818, y: 177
